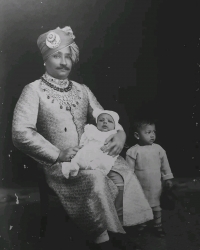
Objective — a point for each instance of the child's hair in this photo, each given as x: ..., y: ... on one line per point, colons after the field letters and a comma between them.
x: 139, y: 122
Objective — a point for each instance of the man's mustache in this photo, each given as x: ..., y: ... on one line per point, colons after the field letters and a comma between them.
x: 66, y: 68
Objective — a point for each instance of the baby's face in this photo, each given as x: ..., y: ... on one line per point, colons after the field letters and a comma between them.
x: 105, y: 123
x: 147, y: 134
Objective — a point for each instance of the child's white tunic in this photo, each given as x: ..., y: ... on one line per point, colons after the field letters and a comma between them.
x: 151, y: 166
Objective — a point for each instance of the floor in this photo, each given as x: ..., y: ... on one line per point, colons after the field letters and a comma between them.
x: 20, y: 223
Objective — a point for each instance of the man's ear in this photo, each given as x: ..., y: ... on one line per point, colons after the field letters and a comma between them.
x: 136, y: 135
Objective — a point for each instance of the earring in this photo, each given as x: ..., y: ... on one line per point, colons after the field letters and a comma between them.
x: 44, y: 64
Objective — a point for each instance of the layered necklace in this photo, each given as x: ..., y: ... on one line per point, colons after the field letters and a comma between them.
x: 63, y: 91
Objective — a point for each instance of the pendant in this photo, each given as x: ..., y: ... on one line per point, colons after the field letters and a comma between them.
x: 68, y: 108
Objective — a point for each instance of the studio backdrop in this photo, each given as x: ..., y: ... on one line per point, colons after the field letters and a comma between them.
x: 134, y: 56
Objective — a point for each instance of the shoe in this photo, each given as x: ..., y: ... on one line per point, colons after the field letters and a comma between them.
x: 159, y: 232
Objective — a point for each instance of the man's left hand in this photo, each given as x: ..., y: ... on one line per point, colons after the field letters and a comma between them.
x: 114, y: 143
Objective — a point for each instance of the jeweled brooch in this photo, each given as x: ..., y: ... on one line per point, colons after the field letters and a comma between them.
x: 53, y: 40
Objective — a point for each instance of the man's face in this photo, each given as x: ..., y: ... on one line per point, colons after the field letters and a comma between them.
x: 59, y: 64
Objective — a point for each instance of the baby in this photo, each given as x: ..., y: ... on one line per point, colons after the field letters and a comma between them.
x: 150, y: 164
x: 90, y: 156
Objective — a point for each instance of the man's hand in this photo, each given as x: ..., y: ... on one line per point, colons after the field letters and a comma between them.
x: 68, y: 154
x: 114, y: 143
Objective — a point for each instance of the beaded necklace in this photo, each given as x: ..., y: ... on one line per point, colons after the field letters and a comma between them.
x: 57, y: 88
x: 65, y: 96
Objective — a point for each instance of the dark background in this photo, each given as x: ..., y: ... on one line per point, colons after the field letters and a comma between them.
x: 137, y: 56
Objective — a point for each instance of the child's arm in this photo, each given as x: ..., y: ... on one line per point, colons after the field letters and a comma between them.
x: 166, y: 170
x: 131, y: 162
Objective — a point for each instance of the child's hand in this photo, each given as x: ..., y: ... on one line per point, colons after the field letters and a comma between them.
x: 168, y: 183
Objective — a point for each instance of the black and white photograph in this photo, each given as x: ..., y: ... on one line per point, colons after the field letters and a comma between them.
x: 99, y: 125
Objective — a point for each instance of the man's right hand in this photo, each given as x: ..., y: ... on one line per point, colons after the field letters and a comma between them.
x: 68, y: 154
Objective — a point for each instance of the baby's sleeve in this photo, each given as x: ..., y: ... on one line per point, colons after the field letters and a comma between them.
x: 89, y: 131
x: 83, y: 140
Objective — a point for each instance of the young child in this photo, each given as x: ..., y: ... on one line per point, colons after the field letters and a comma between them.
x: 90, y: 156
x: 150, y: 164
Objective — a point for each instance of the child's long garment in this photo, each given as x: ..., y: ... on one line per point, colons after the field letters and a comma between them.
x: 90, y: 156
x: 151, y: 165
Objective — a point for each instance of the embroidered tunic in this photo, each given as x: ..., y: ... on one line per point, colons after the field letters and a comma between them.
x: 41, y: 128
x: 151, y: 164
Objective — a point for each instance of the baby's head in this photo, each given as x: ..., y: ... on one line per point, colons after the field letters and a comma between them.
x: 145, y: 131
x: 106, y: 120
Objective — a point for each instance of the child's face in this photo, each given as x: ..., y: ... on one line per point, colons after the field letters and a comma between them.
x: 146, y: 134
x: 105, y: 123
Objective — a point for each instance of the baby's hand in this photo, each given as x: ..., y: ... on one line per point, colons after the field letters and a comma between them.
x: 168, y: 183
